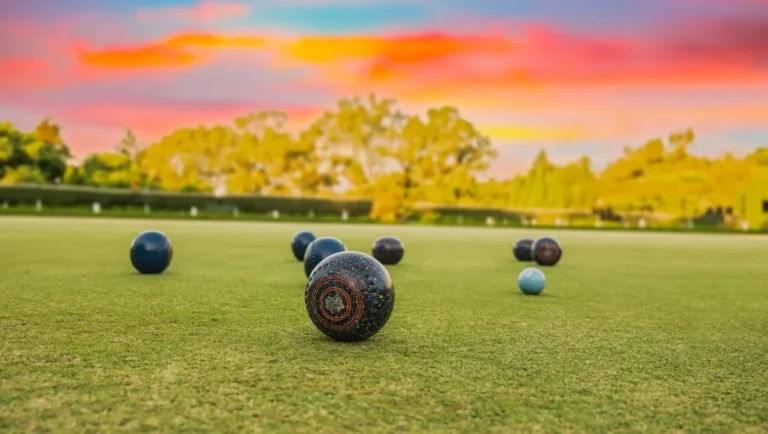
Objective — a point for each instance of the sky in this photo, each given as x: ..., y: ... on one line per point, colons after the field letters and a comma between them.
x: 573, y: 77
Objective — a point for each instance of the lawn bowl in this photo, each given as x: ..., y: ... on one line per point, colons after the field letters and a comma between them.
x: 388, y: 250
x: 531, y: 281
x: 349, y: 296
x: 546, y: 251
x: 300, y: 242
x: 320, y: 249
x: 522, y: 249
x: 151, y: 252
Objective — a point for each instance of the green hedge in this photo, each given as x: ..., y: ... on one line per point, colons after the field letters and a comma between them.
x: 511, y: 217
x: 72, y: 197
x: 453, y: 215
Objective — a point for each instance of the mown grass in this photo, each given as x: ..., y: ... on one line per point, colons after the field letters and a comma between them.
x: 634, y: 333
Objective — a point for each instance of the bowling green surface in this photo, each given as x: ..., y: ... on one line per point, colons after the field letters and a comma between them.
x: 635, y: 332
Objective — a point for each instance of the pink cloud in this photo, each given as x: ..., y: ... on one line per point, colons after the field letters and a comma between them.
x: 712, y: 51
x: 25, y: 72
x: 43, y: 61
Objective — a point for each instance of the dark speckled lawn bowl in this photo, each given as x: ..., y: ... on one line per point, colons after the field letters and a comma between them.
x: 151, y: 252
x: 349, y: 296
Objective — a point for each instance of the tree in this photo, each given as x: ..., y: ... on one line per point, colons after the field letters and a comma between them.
x: 188, y: 159
x: 118, y: 169
x: 255, y: 155
x: 367, y: 146
x: 537, y: 180
x: 52, y: 154
x: 389, y: 197
x: 578, y: 184
x: 40, y: 156
x: 23, y: 175
x: 758, y: 158
x: 660, y: 177
x: 352, y: 138
x: 268, y: 160
x: 9, y: 147
x: 436, y: 160
x: 316, y: 172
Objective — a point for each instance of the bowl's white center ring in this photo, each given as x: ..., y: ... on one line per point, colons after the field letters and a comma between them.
x: 336, y: 303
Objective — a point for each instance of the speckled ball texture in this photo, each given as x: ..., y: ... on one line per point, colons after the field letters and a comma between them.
x: 151, y: 252
x: 546, y: 251
x: 300, y: 242
x: 522, y: 249
x: 349, y: 296
x: 531, y: 281
x: 388, y: 250
x: 320, y: 249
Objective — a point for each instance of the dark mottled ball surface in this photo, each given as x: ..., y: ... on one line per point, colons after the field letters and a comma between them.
x: 300, y: 243
x: 388, y: 250
x: 546, y: 251
x: 320, y: 249
x: 522, y: 249
x: 350, y: 296
x: 151, y: 252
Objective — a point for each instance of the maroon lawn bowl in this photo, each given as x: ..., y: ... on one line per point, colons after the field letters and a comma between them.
x: 546, y: 252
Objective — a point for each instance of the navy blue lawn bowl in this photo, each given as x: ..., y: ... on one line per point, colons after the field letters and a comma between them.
x: 388, y: 250
x: 300, y: 242
x: 349, y: 296
x: 320, y: 249
x: 151, y: 252
x: 522, y: 249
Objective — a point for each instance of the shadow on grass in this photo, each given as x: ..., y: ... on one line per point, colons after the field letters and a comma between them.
x: 136, y: 274
x: 542, y: 295
x: 315, y: 341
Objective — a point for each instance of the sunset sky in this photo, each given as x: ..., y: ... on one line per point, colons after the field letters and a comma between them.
x: 570, y: 76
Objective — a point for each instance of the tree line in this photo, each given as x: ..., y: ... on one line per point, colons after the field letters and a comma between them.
x: 367, y: 147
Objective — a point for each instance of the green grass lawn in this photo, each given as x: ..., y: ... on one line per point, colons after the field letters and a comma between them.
x: 634, y: 333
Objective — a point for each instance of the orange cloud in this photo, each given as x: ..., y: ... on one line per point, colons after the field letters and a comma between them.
x: 204, y: 11
x: 433, y: 63
x: 386, y: 53
x: 139, y: 57
x: 406, y: 48
x: 175, y: 51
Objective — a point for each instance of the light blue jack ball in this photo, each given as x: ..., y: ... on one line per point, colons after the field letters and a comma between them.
x: 531, y: 281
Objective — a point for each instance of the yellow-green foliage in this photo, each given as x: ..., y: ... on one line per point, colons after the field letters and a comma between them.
x: 367, y: 147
